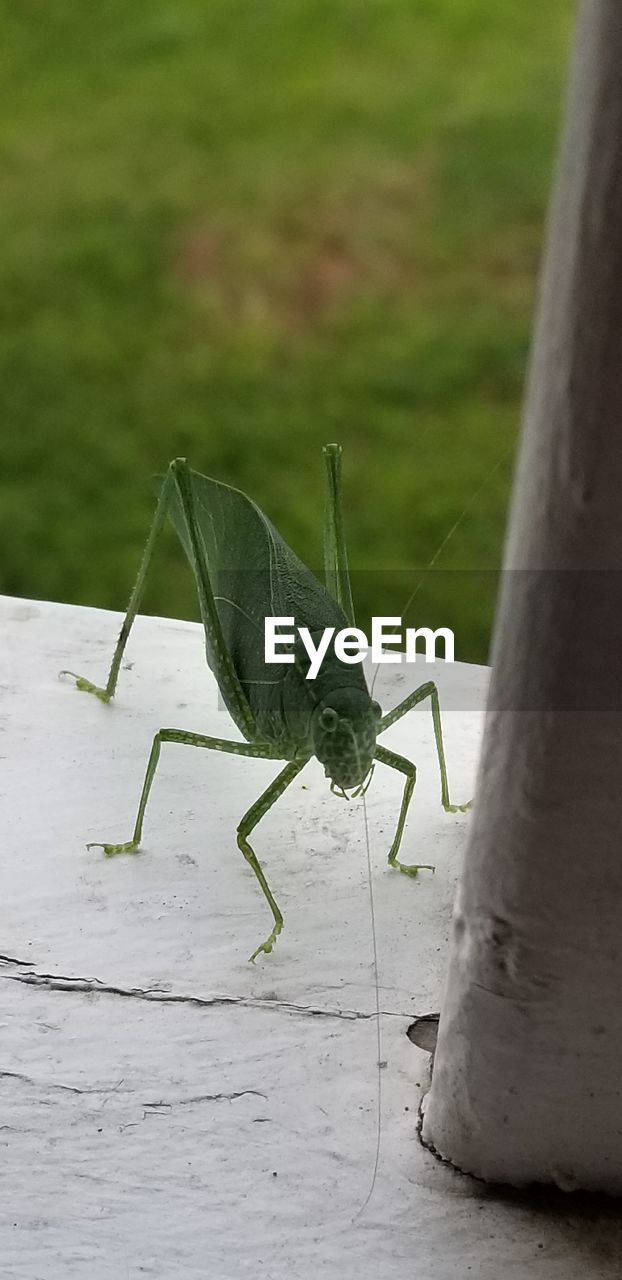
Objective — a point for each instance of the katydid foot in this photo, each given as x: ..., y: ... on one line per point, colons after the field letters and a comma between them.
x: 458, y: 808
x: 269, y: 943
x: 86, y: 686
x: 110, y: 850
x: 411, y: 869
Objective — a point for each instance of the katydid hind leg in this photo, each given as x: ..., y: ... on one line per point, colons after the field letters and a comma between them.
x: 428, y: 690
x: 177, y: 487
x: 336, y: 572
x: 221, y: 661
x: 107, y: 691
x: 257, y: 750
x: 406, y: 767
x: 254, y: 815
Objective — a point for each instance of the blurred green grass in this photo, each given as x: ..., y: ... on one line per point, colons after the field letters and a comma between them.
x: 235, y: 231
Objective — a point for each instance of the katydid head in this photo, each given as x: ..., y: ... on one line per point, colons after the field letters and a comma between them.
x: 344, y: 729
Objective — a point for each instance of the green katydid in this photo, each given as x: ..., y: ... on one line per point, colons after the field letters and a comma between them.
x: 244, y: 573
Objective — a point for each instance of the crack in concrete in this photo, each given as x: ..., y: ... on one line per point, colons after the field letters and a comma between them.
x: 48, y: 1084
x: 93, y: 986
x: 204, y: 1097
x: 148, y: 1107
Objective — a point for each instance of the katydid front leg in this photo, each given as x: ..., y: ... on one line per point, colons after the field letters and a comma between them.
x: 246, y: 825
x: 406, y: 767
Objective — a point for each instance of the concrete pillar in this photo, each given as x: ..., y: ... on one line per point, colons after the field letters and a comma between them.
x: 527, y: 1079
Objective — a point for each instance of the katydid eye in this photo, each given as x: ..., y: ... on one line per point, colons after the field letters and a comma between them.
x: 329, y: 719
x: 377, y: 710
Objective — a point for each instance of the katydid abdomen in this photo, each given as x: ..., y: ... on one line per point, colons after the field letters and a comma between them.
x: 254, y: 576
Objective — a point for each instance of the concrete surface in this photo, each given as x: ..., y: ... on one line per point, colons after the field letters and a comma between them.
x: 167, y: 1109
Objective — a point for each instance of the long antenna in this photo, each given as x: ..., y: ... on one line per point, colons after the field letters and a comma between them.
x: 454, y: 527
x: 448, y: 536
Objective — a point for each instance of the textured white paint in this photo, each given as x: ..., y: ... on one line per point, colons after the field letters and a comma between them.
x: 130, y: 1018
x: 527, y: 1076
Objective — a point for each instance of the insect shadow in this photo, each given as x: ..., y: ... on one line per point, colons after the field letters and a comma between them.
x: 244, y: 573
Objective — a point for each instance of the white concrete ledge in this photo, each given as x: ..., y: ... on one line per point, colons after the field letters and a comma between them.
x: 167, y: 1109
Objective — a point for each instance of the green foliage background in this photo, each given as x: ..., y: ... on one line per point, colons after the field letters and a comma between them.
x: 234, y: 230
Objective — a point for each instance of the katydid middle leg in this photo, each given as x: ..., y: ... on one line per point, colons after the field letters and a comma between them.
x: 262, y: 751
x: 258, y: 750
x: 428, y: 690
